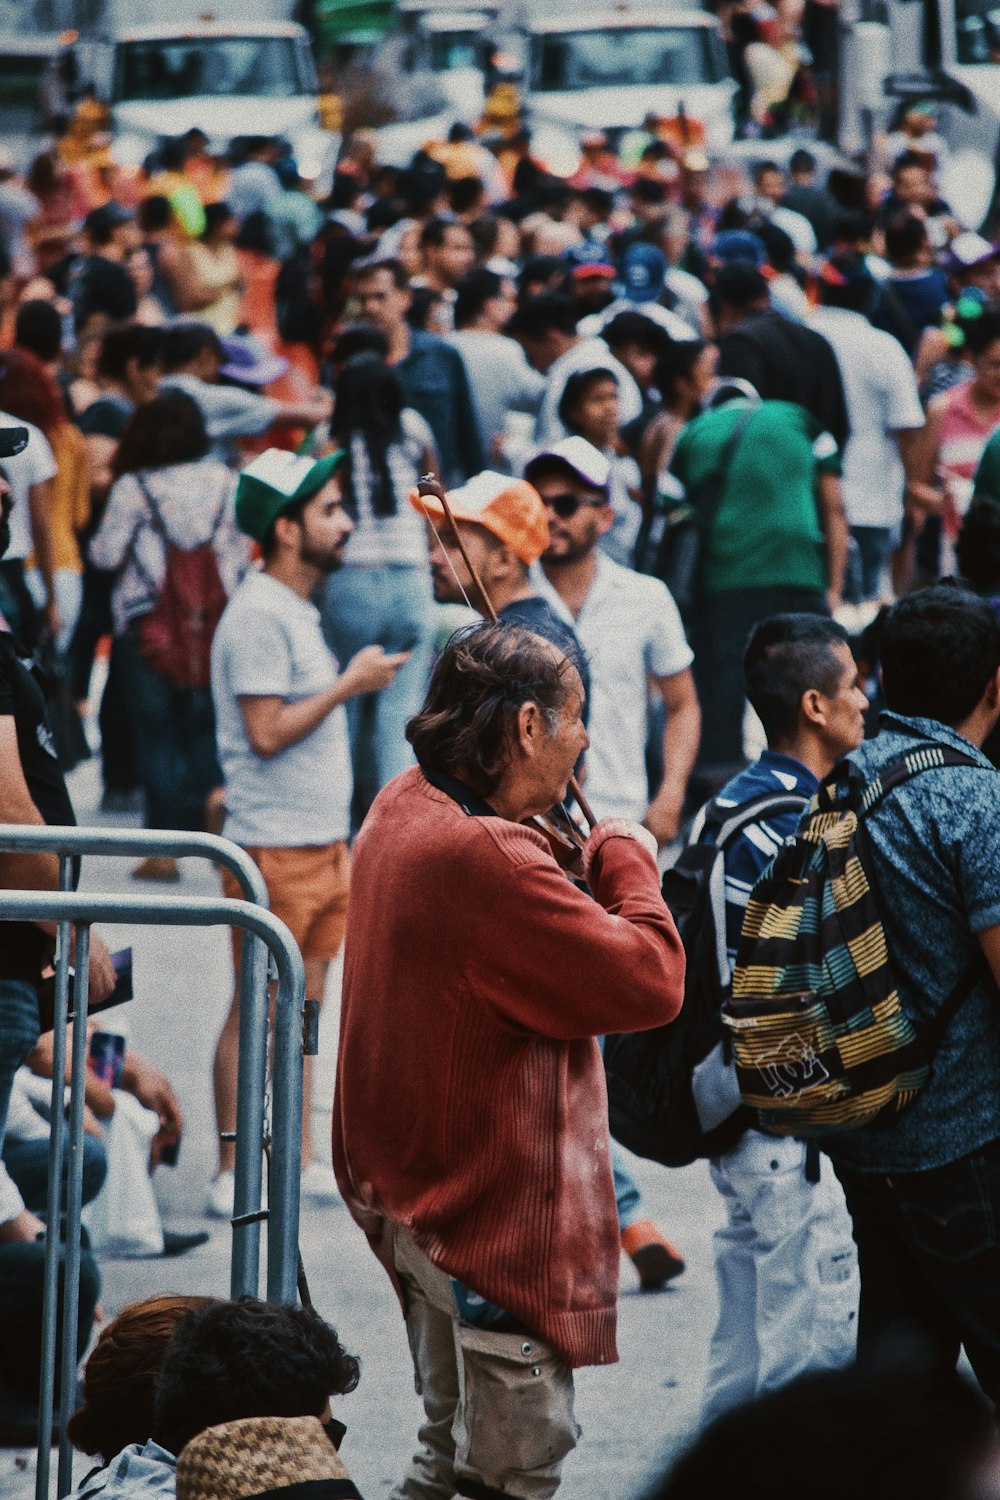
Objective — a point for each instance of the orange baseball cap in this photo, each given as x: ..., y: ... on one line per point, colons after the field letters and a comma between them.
x: 511, y: 508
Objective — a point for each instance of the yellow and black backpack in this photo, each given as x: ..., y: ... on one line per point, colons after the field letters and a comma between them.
x: 820, y: 1039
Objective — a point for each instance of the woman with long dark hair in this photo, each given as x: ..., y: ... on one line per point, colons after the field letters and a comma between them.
x: 382, y: 594
x: 168, y: 493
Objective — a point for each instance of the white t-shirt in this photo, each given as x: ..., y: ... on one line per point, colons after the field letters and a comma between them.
x: 631, y: 630
x: 269, y: 644
x: 33, y: 465
x: 882, y: 398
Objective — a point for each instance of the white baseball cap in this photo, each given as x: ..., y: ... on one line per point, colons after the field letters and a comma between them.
x: 577, y: 454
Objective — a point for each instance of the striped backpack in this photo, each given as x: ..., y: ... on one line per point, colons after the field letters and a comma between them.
x: 820, y: 1040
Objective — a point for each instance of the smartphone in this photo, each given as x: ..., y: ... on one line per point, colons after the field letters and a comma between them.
x: 122, y: 991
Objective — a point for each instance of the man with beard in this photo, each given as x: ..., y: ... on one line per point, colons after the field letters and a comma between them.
x: 282, y: 733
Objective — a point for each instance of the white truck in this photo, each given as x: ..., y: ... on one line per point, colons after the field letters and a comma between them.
x: 606, y: 70
x: 946, y: 52
x: 228, y: 78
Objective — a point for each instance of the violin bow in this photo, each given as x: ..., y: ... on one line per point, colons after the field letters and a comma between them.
x: 431, y: 488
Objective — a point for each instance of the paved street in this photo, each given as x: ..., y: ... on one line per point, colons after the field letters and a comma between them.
x: 631, y: 1413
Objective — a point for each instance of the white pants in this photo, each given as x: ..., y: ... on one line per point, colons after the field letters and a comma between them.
x: 787, y: 1272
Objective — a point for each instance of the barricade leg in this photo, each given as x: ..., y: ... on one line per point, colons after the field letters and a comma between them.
x: 74, y: 1203
x: 286, y: 1144
x: 252, y: 1082
x: 54, y: 1200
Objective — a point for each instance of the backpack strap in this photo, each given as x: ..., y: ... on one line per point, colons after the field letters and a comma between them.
x: 926, y: 755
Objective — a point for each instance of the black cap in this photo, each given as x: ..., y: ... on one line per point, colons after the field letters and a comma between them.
x: 13, y: 440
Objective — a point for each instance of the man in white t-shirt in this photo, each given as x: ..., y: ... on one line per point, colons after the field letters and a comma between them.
x: 629, y: 626
x: 886, y: 417
x: 631, y: 633
x: 30, y: 474
x: 283, y: 746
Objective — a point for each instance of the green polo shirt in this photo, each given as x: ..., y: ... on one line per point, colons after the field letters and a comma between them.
x: 988, y: 473
x: 766, y: 532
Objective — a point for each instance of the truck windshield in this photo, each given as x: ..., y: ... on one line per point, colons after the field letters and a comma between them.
x: 977, y: 31
x: 264, y: 66
x: 639, y: 56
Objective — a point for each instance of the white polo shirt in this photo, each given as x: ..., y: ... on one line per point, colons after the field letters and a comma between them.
x: 631, y: 630
x: 882, y: 398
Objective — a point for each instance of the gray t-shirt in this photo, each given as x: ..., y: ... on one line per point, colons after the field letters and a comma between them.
x: 936, y: 871
x: 269, y: 644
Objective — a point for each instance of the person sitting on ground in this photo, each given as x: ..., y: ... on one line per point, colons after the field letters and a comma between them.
x: 115, y: 1421
x: 261, y: 1458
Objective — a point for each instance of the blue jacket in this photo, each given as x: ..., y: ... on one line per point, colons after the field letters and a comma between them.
x: 435, y: 384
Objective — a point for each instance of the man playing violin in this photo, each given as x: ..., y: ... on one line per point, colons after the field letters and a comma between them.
x: 470, y: 1134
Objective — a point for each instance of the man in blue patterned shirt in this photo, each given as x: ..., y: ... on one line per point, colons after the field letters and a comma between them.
x: 784, y: 1262
x: 924, y: 1191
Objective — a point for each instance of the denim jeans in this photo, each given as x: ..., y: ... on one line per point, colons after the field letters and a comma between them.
x: 19, y: 1031
x: 28, y: 1165
x: 388, y: 607
x: 875, y: 547
x: 929, y: 1253
x: 174, y: 731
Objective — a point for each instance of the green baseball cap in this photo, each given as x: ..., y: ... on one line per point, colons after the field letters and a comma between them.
x: 275, y: 481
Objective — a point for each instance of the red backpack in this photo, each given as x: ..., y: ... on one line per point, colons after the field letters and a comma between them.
x: 176, y: 634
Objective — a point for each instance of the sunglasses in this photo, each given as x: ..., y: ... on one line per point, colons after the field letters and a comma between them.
x: 568, y: 503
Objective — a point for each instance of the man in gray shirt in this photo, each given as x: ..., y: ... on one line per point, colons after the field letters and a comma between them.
x: 282, y: 732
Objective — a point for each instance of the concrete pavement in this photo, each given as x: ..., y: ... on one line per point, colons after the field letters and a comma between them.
x: 632, y: 1414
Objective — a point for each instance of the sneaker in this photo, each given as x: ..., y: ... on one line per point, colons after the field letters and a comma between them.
x: 318, y: 1185
x: 654, y: 1257
x: 221, y: 1197
x: 157, y: 867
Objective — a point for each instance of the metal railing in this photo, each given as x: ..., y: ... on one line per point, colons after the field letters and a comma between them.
x: 263, y: 933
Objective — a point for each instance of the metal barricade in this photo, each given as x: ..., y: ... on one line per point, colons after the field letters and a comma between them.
x: 262, y: 933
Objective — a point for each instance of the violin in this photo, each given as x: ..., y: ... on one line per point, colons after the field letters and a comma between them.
x: 564, y: 837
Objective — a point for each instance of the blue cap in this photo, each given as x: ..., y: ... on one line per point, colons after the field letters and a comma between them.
x: 738, y: 244
x: 643, y: 271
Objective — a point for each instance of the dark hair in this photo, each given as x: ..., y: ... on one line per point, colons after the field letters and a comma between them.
x: 577, y: 387
x: 485, y: 231
x: 43, y: 175
x: 911, y: 1433
x: 432, y: 236
x: 651, y: 191
x: 170, y: 429
x: 183, y: 342
x: 544, y: 312
x: 905, y: 237
x: 981, y: 332
x: 257, y: 234
x: 766, y: 166
x: 978, y: 545
x: 540, y: 269
x: 482, y: 677
x: 369, y: 407
x: 363, y: 270
x: 127, y: 342
x: 801, y: 161
x: 677, y: 360
x: 466, y: 194
x: 29, y: 391
x: 635, y: 328
x: 38, y: 328
x: 154, y: 213
x: 216, y: 214
x: 291, y: 512
x: 847, y: 283
x: 472, y: 294
x: 780, y: 246
x: 358, y: 338
x: 247, y: 1359
x: 423, y: 301
x: 598, y: 200
x: 740, y: 286
x: 119, y: 1378
x: 787, y: 656
x: 907, y: 159
x: 940, y: 649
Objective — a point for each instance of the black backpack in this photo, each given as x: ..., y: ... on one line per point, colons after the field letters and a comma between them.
x: 651, y: 1101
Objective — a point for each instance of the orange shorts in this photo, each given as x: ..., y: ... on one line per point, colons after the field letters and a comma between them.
x: 308, y: 891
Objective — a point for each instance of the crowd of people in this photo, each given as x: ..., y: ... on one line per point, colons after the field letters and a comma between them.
x: 666, y: 440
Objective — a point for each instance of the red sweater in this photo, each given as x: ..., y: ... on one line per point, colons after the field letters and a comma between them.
x: 470, y: 1102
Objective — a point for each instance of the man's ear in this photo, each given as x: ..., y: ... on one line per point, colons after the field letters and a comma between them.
x: 529, y: 727
x: 812, y: 707
x: 605, y: 519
